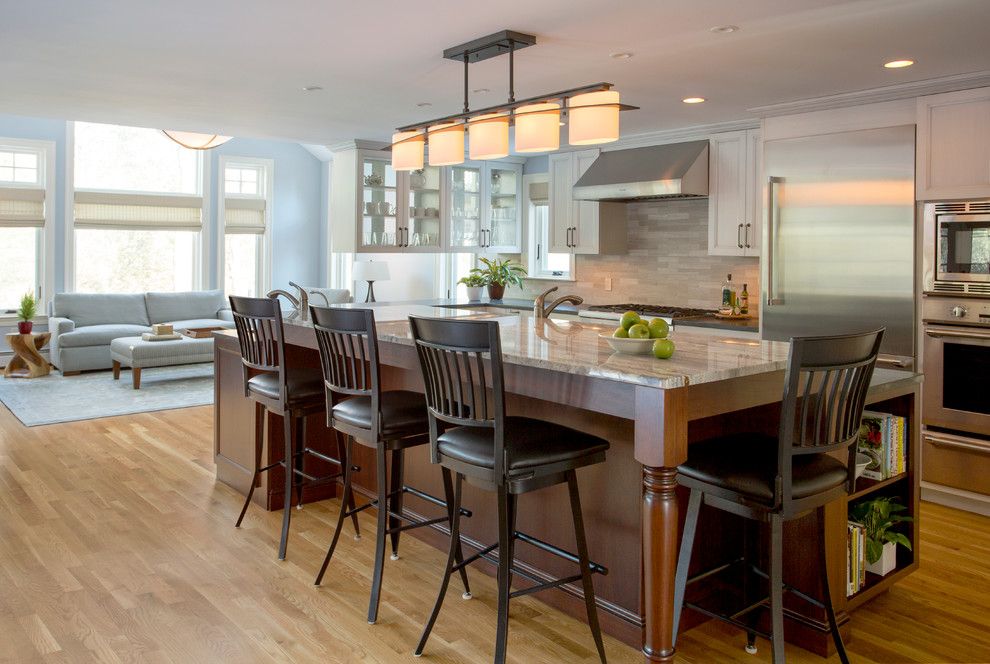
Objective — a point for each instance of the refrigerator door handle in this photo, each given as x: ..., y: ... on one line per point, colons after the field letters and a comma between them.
x: 773, y: 297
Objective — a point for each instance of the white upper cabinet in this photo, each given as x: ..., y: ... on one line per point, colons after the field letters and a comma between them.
x: 485, y: 207
x: 954, y: 145
x: 582, y: 227
x: 735, y: 193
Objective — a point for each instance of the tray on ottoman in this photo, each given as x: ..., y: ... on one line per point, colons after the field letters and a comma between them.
x: 138, y: 354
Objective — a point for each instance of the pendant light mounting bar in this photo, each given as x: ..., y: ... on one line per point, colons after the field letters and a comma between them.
x: 493, y: 45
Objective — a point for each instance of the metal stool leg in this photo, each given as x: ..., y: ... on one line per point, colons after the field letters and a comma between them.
x: 395, y: 504
x: 684, y: 557
x: 345, y: 452
x: 259, y: 433
x: 383, y: 506
x: 289, y: 477
x: 777, y: 587
x: 453, y: 499
x: 505, y: 500
x: 582, y: 547
x: 300, y: 457
x: 826, y: 591
x: 448, y: 492
x: 346, y: 504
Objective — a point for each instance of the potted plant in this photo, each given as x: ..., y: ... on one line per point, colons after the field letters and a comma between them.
x: 498, y: 274
x: 25, y: 314
x: 474, y: 283
x: 879, y: 517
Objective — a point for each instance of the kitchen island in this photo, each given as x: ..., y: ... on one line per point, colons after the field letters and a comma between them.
x: 650, y: 410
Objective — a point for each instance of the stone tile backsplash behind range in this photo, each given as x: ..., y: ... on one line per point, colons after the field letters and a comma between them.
x: 667, y: 263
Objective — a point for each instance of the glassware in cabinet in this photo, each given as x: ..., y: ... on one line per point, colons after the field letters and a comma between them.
x: 503, y: 210
x: 379, y: 204
x: 425, y: 203
x: 465, y: 207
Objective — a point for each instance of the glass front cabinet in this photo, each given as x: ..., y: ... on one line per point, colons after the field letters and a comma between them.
x: 472, y: 207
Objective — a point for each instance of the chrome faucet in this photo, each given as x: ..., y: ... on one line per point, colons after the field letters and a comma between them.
x: 540, y: 310
x: 299, y: 304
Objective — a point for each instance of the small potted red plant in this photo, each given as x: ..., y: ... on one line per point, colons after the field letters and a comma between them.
x: 25, y: 314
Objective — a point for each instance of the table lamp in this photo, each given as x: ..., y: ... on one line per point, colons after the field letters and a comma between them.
x: 371, y: 272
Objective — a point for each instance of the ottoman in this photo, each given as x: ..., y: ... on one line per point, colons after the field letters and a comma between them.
x: 138, y: 354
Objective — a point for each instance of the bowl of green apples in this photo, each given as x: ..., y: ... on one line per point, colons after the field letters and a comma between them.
x: 637, y: 336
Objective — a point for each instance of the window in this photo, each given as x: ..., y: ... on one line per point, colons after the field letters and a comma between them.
x: 138, y: 211
x: 25, y: 214
x: 542, y: 263
x: 245, y: 199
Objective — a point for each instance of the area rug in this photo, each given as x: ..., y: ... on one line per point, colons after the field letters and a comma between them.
x: 57, y: 398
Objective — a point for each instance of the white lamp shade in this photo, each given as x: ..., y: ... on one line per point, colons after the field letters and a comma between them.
x: 489, y: 136
x: 370, y: 271
x: 407, y: 150
x: 446, y: 144
x: 196, y: 141
x: 538, y: 127
x: 593, y: 118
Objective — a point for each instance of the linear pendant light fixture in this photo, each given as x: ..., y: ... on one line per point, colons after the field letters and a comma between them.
x: 592, y: 112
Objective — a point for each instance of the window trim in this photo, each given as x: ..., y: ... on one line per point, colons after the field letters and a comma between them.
x: 533, y: 266
x: 45, y: 252
x: 265, y: 257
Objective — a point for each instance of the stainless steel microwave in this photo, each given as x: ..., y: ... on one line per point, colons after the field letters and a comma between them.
x: 957, y: 247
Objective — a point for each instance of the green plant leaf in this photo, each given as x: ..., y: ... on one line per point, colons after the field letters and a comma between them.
x: 874, y: 550
x: 899, y: 538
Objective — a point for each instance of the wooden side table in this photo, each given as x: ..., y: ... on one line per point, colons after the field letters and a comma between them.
x: 27, y: 361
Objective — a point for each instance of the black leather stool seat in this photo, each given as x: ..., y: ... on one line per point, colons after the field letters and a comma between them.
x: 528, y: 442
x: 747, y: 464
x: 403, y: 413
x: 304, y: 385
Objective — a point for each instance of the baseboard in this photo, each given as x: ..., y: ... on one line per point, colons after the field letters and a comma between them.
x: 960, y: 499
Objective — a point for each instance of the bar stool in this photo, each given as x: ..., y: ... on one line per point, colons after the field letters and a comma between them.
x: 508, y: 455
x: 293, y: 393
x: 784, y: 478
x: 388, y: 421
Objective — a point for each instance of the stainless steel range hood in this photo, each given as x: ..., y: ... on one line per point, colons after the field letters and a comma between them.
x: 679, y: 170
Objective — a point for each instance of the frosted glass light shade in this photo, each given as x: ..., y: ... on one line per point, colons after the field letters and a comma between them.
x: 407, y: 150
x: 446, y: 144
x: 593, y: 118
x: 489, y: 136
x: 538, y: 127
x: 370, y: 271
x: 195, y: 140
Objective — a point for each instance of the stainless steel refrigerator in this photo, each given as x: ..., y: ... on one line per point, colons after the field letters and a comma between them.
x: 839, y: 238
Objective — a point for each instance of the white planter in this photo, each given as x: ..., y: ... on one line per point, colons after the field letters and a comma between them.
x: 474, y: 293
x: 887, y: 562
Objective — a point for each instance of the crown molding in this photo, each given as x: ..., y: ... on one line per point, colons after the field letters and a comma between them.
x: 356, y: 144
x: 679, y: 135
x: 931, y: 86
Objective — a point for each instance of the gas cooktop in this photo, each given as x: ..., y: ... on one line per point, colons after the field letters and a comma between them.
x: 655, y: 310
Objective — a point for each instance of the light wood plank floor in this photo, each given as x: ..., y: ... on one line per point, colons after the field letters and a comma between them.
x: 116, y: 545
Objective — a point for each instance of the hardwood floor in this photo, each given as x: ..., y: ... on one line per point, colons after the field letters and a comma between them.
x: 116, y: 545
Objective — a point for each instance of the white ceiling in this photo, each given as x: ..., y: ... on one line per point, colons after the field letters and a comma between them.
x: 238, y: 66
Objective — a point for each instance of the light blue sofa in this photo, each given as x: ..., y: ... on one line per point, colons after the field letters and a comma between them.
x: 84, y: 324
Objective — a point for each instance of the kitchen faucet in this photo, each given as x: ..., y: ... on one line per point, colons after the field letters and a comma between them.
x: 540, y: 310
x: 300, y: 304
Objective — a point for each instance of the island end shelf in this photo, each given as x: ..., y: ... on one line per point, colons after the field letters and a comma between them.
x: 650, y: 411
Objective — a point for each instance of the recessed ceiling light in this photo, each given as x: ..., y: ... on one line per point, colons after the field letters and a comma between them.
x: 693, y: 100
x: 621, y: 55
x: 724, y: 29
x: 898, y: 64
x: 312, y: 88
x: 424, y: 104
x: 481, y: 91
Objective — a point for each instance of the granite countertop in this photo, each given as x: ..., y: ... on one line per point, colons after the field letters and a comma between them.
x: 715, y: 323
x: 575, y: 347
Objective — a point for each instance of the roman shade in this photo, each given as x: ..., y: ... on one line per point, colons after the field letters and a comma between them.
x: 244, y: 215
x: 22, y: 207
x: 104, y: 209
x: 539, y: 193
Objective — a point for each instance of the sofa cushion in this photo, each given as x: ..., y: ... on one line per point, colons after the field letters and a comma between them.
x: 169, y: 307
x: 102, y: 308
x: 202, y: 322
x: 99, y: 335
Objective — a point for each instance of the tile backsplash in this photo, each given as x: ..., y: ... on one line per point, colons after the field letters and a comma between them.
x: 667, y: 263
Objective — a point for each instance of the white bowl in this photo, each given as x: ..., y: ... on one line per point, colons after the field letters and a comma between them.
x: 862, y: 461
x: 629, y: 346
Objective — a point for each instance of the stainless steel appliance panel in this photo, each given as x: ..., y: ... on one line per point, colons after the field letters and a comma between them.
x: 839, y: 236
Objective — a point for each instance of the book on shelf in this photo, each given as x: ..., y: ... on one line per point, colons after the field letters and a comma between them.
x: 855, y: 558
x: 883, y: 438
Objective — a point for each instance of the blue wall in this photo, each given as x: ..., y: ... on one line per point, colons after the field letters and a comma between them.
x: 538, y: 164
x: 299, y: 201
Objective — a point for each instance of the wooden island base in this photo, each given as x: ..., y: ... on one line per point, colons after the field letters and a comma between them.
x: 631, y: 502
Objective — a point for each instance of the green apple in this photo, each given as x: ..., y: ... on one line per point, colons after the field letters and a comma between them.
x: 659, y: 328
x: 620, y: 333
x: 639, y: 331
x: 629, y: 319
x: 663, y: 349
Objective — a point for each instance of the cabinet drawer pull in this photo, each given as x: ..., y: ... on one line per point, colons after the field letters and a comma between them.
x: 748, y: 246
x: 739, y: 240
x: 967, y: 445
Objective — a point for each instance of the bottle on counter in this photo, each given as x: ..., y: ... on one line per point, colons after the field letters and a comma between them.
x: 744, y: 301
x: 727, y: 293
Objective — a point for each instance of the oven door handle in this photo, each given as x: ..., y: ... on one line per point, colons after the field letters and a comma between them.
x: 957, y: 443
x: 936, y: 334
